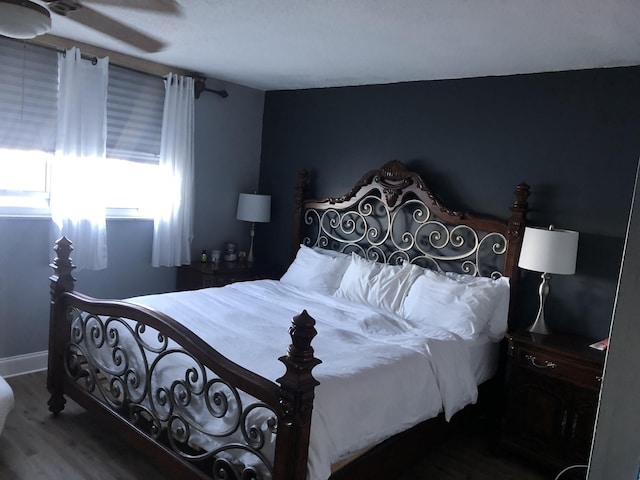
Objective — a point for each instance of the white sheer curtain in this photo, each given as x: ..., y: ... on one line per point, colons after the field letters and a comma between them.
x: 173, y: 225
x: 77, y: 204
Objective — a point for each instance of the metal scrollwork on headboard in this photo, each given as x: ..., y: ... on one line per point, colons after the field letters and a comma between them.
x: 392, y: 217
x: 408, y: 233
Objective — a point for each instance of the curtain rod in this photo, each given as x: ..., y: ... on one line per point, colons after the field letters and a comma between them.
x: 200, y: 86
x: 51, y: 41
x: 199, y: 81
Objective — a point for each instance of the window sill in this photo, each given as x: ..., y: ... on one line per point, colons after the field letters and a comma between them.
x: 45, y: 213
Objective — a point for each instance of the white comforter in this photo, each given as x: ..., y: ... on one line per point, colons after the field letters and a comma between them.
x: 380, y: 374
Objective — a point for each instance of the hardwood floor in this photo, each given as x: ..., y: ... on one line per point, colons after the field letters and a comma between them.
x: 35, y: 445
x: 472, y: 455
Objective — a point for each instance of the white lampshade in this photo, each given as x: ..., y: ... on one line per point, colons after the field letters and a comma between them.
x: 23, y: 19
x: 549, y: 251
x: 254, y: 208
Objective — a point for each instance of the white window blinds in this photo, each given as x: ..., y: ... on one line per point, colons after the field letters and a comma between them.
x: 135, y: 102
x: 29, y: 99
x: 28, y: 96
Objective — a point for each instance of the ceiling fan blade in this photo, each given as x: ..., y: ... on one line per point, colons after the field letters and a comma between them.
x: 102, y: 23
x: 163, y: 6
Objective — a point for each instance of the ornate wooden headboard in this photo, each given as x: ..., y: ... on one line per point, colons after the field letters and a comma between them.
x: 392, y: 216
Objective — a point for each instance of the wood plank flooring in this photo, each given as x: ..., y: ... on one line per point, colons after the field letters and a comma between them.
x: 35, y: 445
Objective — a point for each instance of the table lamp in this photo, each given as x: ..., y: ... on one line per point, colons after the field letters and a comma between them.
x: 253, y: 208
x: 549, y: 251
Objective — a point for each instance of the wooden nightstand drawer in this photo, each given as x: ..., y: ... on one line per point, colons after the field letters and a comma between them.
x: 559, y: 367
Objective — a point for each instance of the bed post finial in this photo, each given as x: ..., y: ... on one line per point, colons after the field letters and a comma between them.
x: 300, y: 193
x: 521, y: 192
x: 296, y: 398
x: 515, y: 233
x: 62, y: 280
x: 518, y: 213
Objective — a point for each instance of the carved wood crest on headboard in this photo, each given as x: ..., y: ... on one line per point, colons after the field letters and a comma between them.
x: 392, y: 216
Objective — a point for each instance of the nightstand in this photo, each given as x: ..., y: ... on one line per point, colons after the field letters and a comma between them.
x: 552, y: 390
x: 207, y: 274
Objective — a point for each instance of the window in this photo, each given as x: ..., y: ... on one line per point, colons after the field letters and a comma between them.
x: 28, y: 101
x: 28, y: 118
x: 135, y: 102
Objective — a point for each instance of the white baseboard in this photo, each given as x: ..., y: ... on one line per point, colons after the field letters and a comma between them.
x: 21, y: 364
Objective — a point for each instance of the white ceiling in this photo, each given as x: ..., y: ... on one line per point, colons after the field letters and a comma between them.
x: 293, y: 44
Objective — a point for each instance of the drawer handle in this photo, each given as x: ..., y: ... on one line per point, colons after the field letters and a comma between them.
x: 534, y: 362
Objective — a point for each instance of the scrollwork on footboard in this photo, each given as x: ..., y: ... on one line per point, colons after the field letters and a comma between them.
x: 169, y: 395
x: 191, y: 408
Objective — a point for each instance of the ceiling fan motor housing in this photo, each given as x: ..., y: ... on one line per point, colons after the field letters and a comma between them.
x: 63, y: 7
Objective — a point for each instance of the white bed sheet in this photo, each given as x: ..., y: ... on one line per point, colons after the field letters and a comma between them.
x: 380, y: 375
x: 484, y: 353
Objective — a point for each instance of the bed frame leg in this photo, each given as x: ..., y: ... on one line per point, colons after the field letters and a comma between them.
x: 56, y: 403
x: 296, y: 399
x: 59, y: 328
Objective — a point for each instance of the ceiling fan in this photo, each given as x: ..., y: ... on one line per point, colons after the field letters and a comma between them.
x: 28, y: 19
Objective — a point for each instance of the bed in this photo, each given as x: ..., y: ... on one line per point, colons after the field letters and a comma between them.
x: 394, y: 305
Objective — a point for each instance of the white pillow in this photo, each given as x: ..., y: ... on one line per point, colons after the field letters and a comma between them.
x: 462, y: 304
x: 499, y: 290
x: 316, y: 271
x: 377, y: 284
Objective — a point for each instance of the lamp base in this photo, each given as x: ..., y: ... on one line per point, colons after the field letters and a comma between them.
x: 539, y: 325
x: 253, y: 233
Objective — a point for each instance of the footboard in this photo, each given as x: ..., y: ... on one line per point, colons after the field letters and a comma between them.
x: 186, y: 405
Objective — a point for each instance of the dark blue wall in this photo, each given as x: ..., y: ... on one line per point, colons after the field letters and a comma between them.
x: 573, y: 136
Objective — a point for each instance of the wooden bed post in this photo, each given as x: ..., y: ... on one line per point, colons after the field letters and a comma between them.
x: 515, y: 229
x: 296, y: 399
x: 61, y: 281
x: 515, y: 234
x: 300, y: 193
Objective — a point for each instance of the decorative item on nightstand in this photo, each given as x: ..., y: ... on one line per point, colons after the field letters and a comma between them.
x: 548, y: 251
x: 253, y: 208
x: 230, y: 252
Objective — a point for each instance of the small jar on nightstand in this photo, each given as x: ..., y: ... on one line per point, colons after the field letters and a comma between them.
x: 552, y: 390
